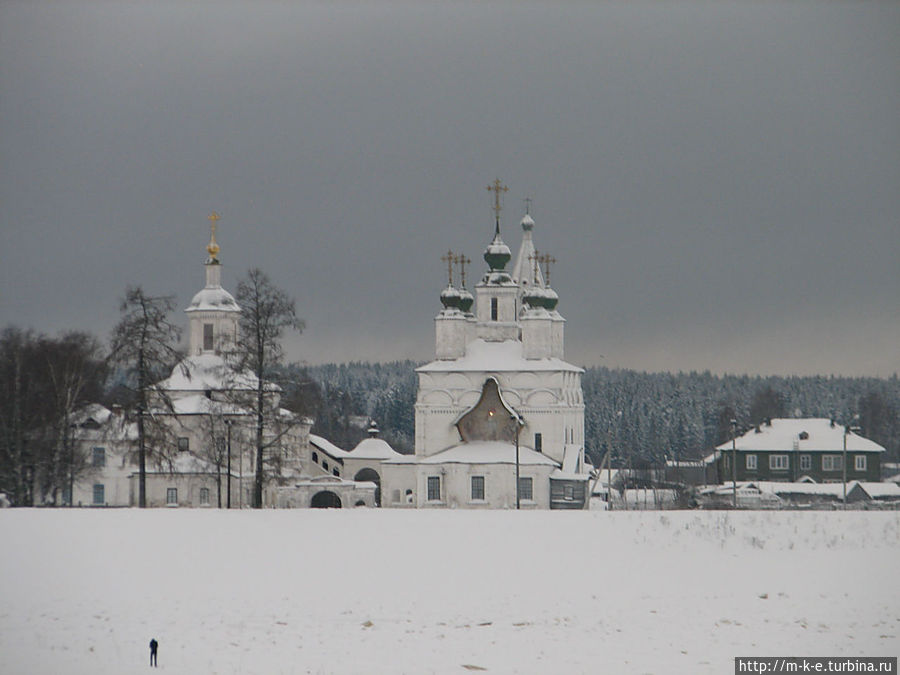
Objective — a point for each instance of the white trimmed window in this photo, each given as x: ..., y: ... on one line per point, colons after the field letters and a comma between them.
x: 99, y: 494
x: 477, y: 488
x: 207, y: 337
x: 98, y: 457
x: 751, y: 462
x: 171, y: 496
x: 526, y: 489
x: 859, y: 462
x: 778, y: 462
x: 434, y: 488
x: 805, y: 462
x: 832, y: 463
x: 204, y: 496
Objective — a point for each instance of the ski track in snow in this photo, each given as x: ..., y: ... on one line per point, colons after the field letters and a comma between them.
x: 383, y: 591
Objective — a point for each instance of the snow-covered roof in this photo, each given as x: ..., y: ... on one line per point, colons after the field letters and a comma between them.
x: 319, y: 481
x: 327, y: 446
x: 488, y: 452
x: 570, y: 458
x: 209, y: 371
x: 213, y: 298
x: 488, y: 357
x: 881, y: 490
x: 802, y: 435
x: 199, y: 404
x: 373, y: 448
x: 91, y: 412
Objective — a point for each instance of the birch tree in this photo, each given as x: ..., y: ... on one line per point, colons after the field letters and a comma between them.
x: 144, y: 342
x: 267, y: 312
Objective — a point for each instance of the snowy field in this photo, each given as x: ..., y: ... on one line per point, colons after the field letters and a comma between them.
x: 369, y: 591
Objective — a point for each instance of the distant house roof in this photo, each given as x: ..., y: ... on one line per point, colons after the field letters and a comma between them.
x: 798, y: 435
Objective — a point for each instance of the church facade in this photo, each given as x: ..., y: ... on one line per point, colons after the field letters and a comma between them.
x: 499, y: 413
x: 202, y: 453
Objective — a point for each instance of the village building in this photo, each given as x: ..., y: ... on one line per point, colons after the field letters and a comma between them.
x: 499, y: 415
x: 203, y: 454
x: 787, y: 450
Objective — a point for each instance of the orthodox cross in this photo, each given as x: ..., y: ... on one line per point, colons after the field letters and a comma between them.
x: 528, y: 201
x: 497, y: 188
x: 213, y: 247
x: 449, y: 258
x: 548, y: 260
x: 536, y: 258
x: 462, y: 261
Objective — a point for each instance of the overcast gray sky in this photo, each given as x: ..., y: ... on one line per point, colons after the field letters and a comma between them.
x: 719, y: 182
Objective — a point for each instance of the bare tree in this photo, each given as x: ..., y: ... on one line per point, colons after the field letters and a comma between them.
x: 266, y: 313
x: 144, y: 342
x: 20, y: 414
x: 73, y: 368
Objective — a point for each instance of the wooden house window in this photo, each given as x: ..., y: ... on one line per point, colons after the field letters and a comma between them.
x: 751, y: 462
x: 805, y: 462
x: 859, y: 462
x: 778, y: 462
x: 832, y: 463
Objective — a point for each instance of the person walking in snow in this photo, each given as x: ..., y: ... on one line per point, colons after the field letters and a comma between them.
x: 153, y: 645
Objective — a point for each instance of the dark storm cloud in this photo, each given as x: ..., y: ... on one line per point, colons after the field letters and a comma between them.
x: 718, y: 181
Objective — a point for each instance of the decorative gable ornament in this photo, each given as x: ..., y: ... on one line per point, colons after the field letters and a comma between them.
x: 491, y: 419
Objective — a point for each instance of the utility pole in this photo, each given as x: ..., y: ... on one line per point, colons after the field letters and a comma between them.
x: 228, y: 423
x: 734, y: 462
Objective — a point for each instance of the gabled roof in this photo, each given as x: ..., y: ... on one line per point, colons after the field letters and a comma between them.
x: 802, y: 435
x: 327, y: 447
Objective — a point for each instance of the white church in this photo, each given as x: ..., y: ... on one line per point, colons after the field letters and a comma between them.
x: 499, y: 412
x: 205, y: 456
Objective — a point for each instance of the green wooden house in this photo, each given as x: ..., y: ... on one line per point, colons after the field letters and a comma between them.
x: 797, y: 449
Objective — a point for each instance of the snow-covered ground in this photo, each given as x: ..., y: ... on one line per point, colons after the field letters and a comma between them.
x: 382, y: 591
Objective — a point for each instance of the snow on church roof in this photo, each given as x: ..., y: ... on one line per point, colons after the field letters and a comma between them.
x: 373, y: 448
x: 213, y: 298
x: 208, y: 371
x: 484, y: 356
x: 327, y: 446
x: 488, y: 452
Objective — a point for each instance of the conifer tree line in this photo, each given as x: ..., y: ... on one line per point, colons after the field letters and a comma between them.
x: 638, y: 416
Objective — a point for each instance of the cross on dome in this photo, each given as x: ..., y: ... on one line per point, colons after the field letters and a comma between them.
x: 212, y: 247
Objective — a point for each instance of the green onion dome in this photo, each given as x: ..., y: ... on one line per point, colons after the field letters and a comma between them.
x: 551, y: 299
x: 466, y: 300
x: 497, y: 254
x: 450, y: 298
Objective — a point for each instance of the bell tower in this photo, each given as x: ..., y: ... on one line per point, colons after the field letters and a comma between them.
x: 213, y: 312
